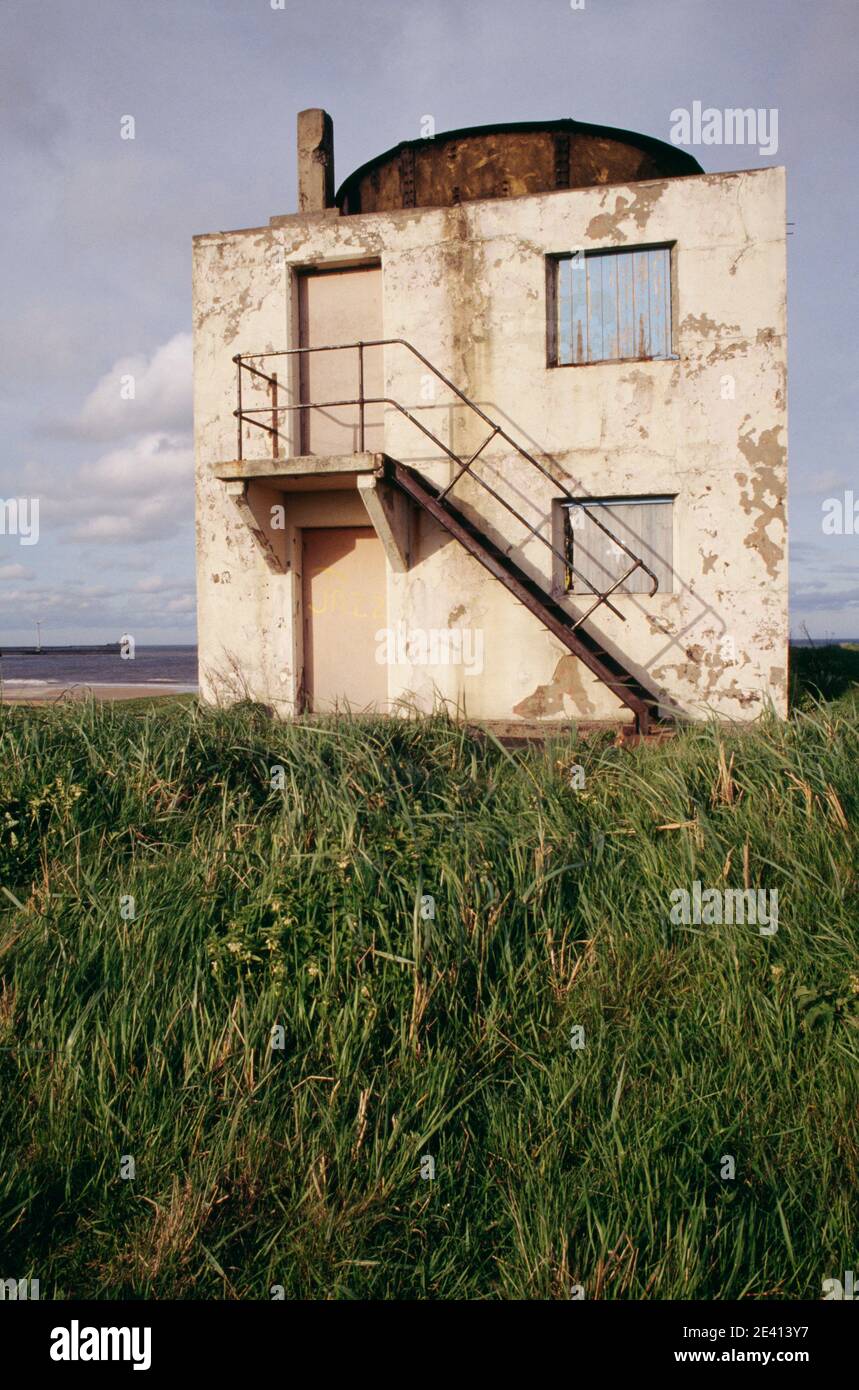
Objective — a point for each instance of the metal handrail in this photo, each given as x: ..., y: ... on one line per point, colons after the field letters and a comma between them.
x: 465, y: 466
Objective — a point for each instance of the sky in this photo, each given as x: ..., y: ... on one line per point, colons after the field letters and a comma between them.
x: 96, y: 235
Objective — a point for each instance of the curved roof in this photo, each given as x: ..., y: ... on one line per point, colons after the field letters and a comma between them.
x: 506, y: 159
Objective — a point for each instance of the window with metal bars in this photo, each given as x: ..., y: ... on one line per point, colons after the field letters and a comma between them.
x: 610, y: 306
x: 595, y: 560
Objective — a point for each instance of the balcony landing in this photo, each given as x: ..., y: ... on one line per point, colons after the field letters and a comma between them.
x: 302, y: 472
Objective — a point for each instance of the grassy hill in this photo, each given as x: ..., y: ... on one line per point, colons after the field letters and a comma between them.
x: 426, y: 921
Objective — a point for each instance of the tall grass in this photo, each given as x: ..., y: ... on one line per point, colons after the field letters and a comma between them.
x: 406, y: 1035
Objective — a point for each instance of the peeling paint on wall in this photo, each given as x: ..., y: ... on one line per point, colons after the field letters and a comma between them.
x: 767, y: 458
x: 607, y: 226
x: 705, y: 327
x: 547, y: 700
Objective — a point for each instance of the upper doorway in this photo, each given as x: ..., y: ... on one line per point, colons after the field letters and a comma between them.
x: 340, y: 306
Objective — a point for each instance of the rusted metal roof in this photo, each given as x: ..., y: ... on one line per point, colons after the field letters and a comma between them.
x: 507, y: 160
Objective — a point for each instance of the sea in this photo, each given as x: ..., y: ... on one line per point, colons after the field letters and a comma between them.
x: 175, y: 667
x: 824, y: 641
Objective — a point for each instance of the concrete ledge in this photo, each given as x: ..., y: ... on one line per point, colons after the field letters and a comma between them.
x: 305, y: 467
x: 237, y: 491
x: 390, y: 512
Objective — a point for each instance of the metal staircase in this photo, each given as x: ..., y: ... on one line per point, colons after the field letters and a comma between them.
x: 564, y: 624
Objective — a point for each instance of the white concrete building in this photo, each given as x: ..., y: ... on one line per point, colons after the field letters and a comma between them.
x: 551, y: 484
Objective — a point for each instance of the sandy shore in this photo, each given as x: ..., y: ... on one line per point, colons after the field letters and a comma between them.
x: 40, y: 693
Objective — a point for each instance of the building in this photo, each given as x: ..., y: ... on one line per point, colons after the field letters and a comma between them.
x: 501, y: 424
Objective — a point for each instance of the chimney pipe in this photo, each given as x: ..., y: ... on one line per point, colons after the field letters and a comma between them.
x: 315, y: 160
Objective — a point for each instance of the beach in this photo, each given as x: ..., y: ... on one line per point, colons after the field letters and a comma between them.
x: 43, y: 693
x: 55, y: 675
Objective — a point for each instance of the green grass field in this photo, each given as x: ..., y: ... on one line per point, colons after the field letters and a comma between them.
x: 408, y: 1037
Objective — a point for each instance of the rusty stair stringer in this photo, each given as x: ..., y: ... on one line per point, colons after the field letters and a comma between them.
x: 577, y: 639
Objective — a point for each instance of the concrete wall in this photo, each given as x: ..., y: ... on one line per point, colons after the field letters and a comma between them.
x: 467, y: 286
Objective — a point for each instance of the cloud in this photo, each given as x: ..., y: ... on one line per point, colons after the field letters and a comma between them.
x: 137, y: 395
x: 829, y: 481
x: 30, y: 119
x: 142, y: 489
x: 148, y: 467
x: 37, y: 603
x: 139, y: 493
x: 815, y: 598
x: 16, y: 572
x: 156, y: 518
x: 807, y: 551
x: 33, y: 334
x: 110, y: 607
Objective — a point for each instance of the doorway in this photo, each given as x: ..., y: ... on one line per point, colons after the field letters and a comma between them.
x: 340, y: 306
x: 343, y: 581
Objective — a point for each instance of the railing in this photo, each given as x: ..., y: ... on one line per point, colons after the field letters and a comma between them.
x: 244, y: 414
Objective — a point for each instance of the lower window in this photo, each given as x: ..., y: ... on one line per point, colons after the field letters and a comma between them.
x: 596, y: 532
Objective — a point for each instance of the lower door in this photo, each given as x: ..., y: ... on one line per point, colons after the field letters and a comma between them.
x: 344, y: 603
